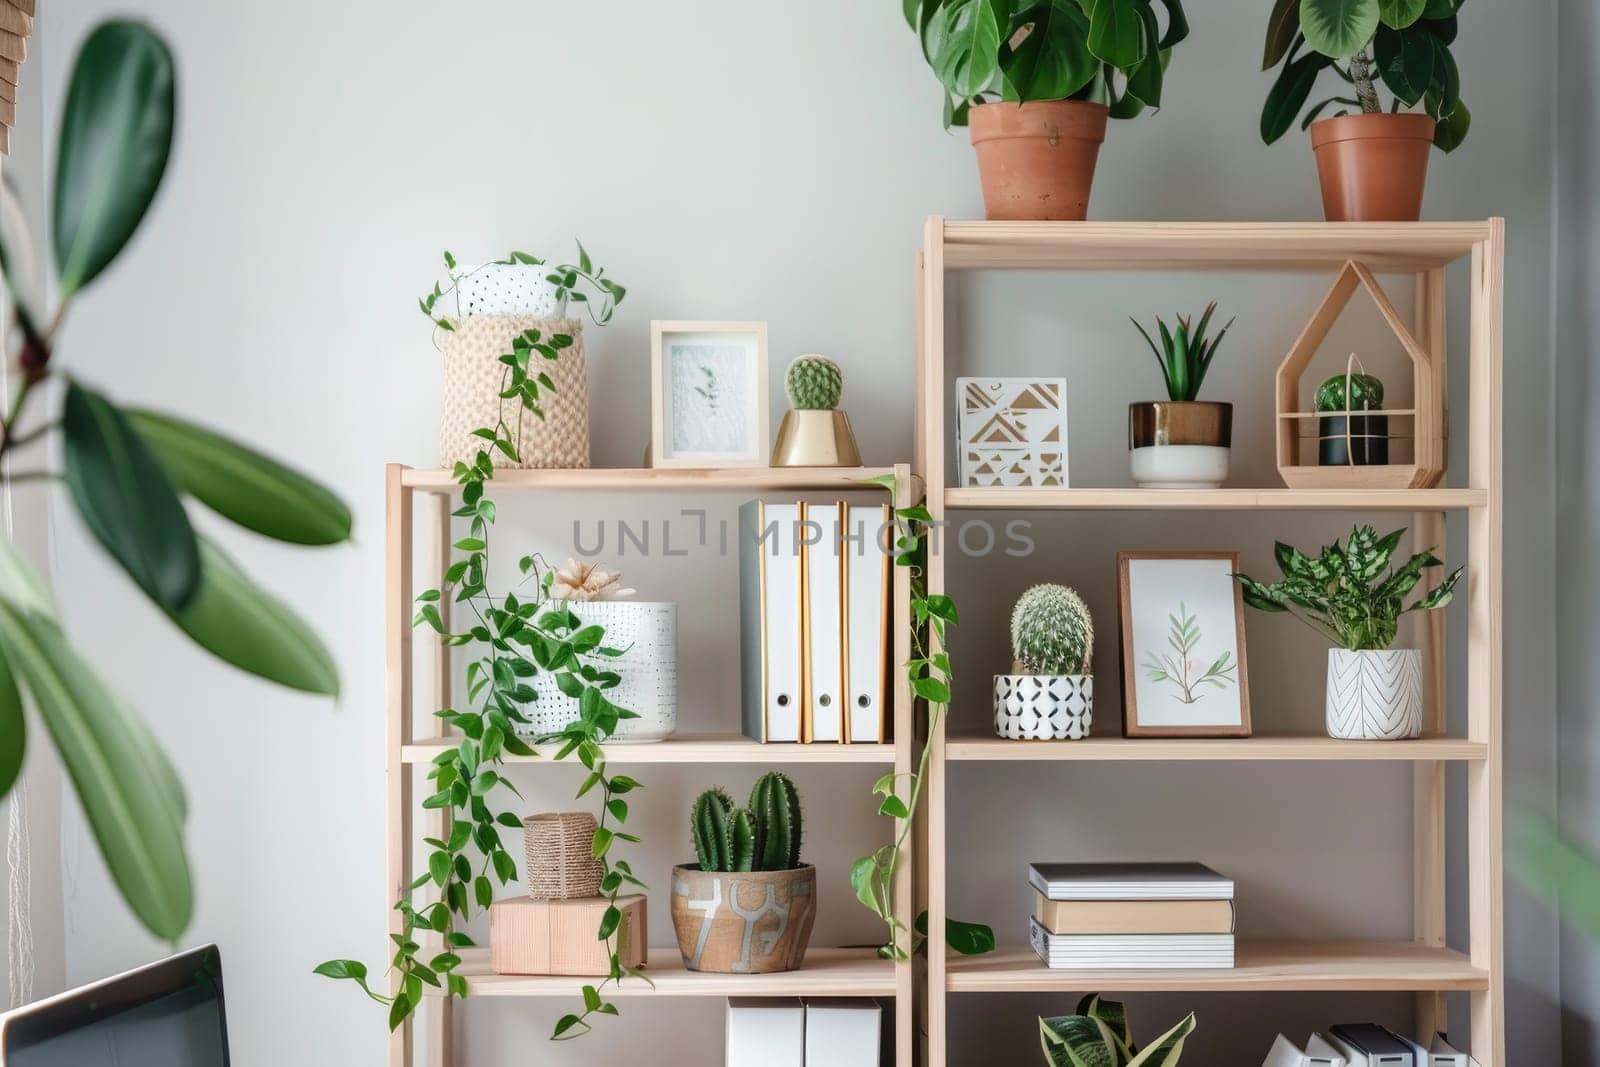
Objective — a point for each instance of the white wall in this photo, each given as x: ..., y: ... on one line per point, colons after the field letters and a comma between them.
x: 726, y: 160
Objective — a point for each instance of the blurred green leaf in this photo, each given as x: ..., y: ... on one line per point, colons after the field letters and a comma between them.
x: 116, y: 133
x: 1282, y: 28
x: 246, y: 626
x: 243, y: 485
x: 128, y: 789
x: 13, y: 728
x: 1563, y: 876
x: 127, y: 500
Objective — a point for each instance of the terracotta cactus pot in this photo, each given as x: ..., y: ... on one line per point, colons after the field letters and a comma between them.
x: 748, y: 922
x: 1037, y: 160
x: 1373, y: 168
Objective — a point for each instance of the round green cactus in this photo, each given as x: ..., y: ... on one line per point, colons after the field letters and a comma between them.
x: 1051, y: 632
x: 1363, y: 392
x: 813, y: 383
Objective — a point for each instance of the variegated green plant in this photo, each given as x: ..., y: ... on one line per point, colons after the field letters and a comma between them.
x: 1350, y: 594
x: 1098, y: 1036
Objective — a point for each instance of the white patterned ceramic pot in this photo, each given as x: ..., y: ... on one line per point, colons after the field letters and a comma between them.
x: 508, y: 289
x: 648, y: 686
x: 1375, y: 695
x: 1043, y: 707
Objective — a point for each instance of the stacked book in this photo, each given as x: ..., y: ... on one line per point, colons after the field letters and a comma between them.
x: 16, y: 25
x: 1131, y: 916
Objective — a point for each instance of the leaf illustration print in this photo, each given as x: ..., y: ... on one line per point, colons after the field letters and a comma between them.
x: 1179, y: 667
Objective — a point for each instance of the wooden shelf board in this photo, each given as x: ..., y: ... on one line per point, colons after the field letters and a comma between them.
x: 1217, y: 499
x: 1152, y: 749
x: 1159, y: 246
x: 1367, y: 966
x: 694, y: 748
x: 828, y: 972
x: 796, y: 479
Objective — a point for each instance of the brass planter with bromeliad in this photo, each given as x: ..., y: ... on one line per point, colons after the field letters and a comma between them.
x: 1180, y: 444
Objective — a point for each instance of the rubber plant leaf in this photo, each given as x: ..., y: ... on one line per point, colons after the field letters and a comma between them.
x: 1290, y: 93
x: 128, y: 790
x: 1283, y: 26
x: 1338, y: 28
x: 243, y: 485
x: 128, y: 501
x: 242, y: 624
x: 1452, y: 129
x: 1405, y: 62
x: 13, y: 728
x: 1399, y: 14
x: 116, y: 134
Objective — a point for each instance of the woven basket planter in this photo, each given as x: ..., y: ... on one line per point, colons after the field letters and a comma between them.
x: 474, y: 377
x: 561, y: 863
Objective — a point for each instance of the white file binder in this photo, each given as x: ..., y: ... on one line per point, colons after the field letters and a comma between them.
x: 868, y: 565
x: 770, y: 640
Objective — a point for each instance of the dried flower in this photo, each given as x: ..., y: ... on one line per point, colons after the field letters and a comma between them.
x: 586, y: 582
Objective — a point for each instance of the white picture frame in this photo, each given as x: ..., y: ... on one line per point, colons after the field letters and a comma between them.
x: 1184, y: 671
x: 708, y: 394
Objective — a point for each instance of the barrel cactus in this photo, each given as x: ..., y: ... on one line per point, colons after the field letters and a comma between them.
x: 765, y: 836
x: 1353, y: 392
x: 1051, y: 632
x: 813, y: 383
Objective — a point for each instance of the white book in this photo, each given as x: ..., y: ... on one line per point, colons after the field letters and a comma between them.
x: 1443, y: 1054
x: 769, y: 632
x: 843, y: 1032
x: 1129, y: 881
x: 867, y: 568
x: 1321, y: 1052
x: 766, y: 1032
x: 822, y: 623
x: 1131, y: 951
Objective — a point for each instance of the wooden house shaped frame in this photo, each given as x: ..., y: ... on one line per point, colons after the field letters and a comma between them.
x: 1427, y: 416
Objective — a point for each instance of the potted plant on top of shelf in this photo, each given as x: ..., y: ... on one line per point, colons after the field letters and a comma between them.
x: 1098, y: 1033
x: 1181, y: 442
x: 1372, y: 163
x: 1036, y: 83
x: 1352, y: 595
x: 748, y: 881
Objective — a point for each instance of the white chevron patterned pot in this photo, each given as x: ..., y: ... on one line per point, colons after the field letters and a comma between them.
x: 1043, y: 707
x: 1375, y: 695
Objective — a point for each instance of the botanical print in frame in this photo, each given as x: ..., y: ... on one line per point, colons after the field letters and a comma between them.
x: 708, y: 394
x: 1183, y: 655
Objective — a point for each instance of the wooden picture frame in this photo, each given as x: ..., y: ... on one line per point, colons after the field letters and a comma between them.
x: 1163, y: 716
x: 674, y: 442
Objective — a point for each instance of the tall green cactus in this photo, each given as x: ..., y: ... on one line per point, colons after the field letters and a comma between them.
x: 762, y: 837
x: 1051, y: 632
x: 776, y: 804
x: 708, y: 824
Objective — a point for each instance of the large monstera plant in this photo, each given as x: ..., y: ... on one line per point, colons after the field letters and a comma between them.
x: 131, y: 475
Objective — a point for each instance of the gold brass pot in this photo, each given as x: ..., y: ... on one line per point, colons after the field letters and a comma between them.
x: 815, y: 439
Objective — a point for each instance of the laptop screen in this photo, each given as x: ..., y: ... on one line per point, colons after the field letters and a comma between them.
x: 169, y: 1014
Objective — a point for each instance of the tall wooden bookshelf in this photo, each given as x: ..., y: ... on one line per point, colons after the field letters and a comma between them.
x: 828, y: 971
x: 1425, y: 966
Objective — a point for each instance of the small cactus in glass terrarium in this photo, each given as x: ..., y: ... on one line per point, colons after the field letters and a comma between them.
x: 814, y: 383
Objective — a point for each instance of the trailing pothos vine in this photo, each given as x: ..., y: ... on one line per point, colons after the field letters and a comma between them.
x: 526, y: 640
x: 872, y: 877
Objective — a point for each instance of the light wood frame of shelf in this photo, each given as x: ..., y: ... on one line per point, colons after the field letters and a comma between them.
x: 828, y: 971
x: 1425, y: 965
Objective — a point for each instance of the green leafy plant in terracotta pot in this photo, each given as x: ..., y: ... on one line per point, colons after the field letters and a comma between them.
x: 1372, y: 161
x: 1354, y: 597
x: 1036, y: 82
x: 1182, y: 442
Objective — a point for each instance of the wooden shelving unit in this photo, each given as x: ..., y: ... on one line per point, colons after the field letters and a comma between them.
x: 1424, y: 966
x: 828, y: 971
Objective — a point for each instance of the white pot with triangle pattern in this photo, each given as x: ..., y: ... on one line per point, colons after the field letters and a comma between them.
x: 1375, y: 695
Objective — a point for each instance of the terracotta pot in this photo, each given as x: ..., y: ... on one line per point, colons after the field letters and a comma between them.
x: 1036, y: 160
x: 1179, y: 444
x: 749, y: 922
x: 1373, y: 167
